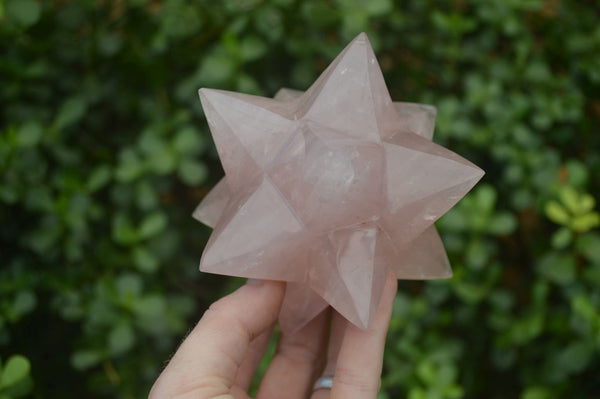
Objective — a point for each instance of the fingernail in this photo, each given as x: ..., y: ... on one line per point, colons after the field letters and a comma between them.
x: 254, y: 281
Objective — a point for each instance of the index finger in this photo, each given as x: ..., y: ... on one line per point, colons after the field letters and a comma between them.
x: 207, y: 361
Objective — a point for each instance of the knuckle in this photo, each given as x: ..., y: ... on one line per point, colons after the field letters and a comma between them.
x: 299, y: 351
x: 354, y: 379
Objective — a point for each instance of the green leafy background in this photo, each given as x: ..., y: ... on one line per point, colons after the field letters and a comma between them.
x: 104, y: 152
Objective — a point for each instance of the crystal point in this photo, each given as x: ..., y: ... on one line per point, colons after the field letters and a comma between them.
x: 329, y: 189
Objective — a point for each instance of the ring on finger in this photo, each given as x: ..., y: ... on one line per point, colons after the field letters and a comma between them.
x: 323, y: 382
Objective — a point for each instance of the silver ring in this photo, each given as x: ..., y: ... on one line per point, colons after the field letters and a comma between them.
x: 324, y: 382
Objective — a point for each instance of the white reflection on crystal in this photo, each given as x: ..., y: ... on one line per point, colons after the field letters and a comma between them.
x: 429, y: 217
x: 331, y: 172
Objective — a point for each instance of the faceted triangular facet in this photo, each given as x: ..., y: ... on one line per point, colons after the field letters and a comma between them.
x: 232, y: 152
x: 348, y: 87
x: 325, y: 280
x: 423, y: 258
x: 261, y: 228
x: 359, y: 275
x: 212, y: 206
x: 384, y: 110
x: 418, y: 118
x: 414, y: 174
x: 300, y: 305
x: 259, y: 130
x: 409, y: 222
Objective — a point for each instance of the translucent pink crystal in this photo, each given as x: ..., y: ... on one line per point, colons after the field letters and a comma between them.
x: 329, y: 190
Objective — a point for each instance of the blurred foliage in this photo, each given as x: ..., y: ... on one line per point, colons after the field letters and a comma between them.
x: 104, y: 152
x: 14, y: 377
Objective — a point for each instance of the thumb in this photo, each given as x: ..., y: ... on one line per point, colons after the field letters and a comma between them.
x: 206, y: 363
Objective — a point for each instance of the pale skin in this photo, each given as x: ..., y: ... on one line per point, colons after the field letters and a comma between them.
x: 219, y: 357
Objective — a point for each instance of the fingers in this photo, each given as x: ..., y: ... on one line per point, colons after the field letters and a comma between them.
x: 338, y: 328
x: 207, y: 362
x: 298, y: 361
x: 254, y: 354
x: 355, y: 356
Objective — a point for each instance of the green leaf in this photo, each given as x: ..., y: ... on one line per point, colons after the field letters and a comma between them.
x: 454, y: 23
x: 537, y: 393
x: 84, y: 359
x: 539, y: 294
x: 559, y: 269
x: 569, y: 197
x: 152, y: 225
x: 188, y: 141
x: 129, y: 167
x: 163, y: 162
x: 583, y: 223
x: 562, y: 238
x: 485, y: 198
x: 123, y: 231
x: 426, y: 371
x: 99, y: 177
x: 24, y: 12
x: 577, y: 173
x: 283, y: 3
x: 557, y: 213
x: 145, y: 260
x: 192, y: 172
x: 129, y: 286
x: 25, y: 302
x: 502, y: 223
x: 121, y: 339
x: 146, y: 195
x: 216, y: 69
x: 247, y: 84
x: 320, y: 14
x: 476, y: 254
x: 417, y: 393
x: 589, y: 245
x: 582, y: 307
x: 355, y: 20
x: 378, y: 7
x: 527, y: 328
x: 252, y: 48
x: 575, y: 357
x: 71, y: 111
x: 109, y: 43
x: 29, y: 134
x: 454, y: 220
x: 455, y: 392
x: 150, y: 306
x: 16, y: 369
x: 446, y: 374
x: 269, y: 21
x: 587, y: 203
x: 470, y: 293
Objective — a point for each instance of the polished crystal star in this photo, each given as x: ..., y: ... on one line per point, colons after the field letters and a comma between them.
x: 329, y: 190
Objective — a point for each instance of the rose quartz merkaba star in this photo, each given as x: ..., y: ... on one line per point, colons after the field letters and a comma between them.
x: 329, y: 190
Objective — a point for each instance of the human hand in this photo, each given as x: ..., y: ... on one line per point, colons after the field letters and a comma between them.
x: 219, y: 357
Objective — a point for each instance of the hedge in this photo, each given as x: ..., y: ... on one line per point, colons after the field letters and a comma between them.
x: 104, y: 152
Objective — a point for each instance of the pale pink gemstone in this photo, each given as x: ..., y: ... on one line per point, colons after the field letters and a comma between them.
x: 329, y: 190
